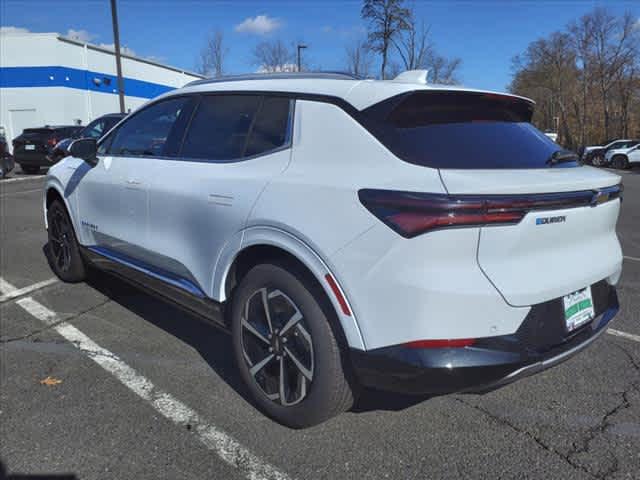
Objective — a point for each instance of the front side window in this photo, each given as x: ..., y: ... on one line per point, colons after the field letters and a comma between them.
x: 220, y: 127
x: 150, y: 131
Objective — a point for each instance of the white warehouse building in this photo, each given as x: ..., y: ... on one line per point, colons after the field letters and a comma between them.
x: 47, y: 79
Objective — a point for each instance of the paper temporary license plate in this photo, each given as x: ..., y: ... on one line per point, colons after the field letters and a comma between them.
x: 29, y: 147
x: 578, y: 308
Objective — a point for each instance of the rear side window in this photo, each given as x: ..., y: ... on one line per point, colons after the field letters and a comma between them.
x: 464, y: 130
x: 220, y: 127
x: 149, y: 132
x: 271, y: 128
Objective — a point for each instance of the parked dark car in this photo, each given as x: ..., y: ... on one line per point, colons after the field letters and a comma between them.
x: 96, y: 129
x: 32, y: 148
x: 6, y: 159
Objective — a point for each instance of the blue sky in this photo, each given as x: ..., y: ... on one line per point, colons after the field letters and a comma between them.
x: 484, y: 34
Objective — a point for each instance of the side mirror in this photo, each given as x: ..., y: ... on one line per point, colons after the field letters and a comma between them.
x: 86, y: 149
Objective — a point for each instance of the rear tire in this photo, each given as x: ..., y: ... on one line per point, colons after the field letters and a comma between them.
x: 620, y: 162
x: 290, y: 360
x: 30, y: 169
x: 64, y: 252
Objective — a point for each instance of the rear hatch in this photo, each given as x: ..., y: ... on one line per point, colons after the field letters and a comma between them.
x: 486, y: 148
x: 34, y: 141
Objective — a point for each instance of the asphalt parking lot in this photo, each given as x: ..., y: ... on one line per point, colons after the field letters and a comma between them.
x: 100, y: 380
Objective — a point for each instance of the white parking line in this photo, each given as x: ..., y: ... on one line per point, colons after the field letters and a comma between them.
x: 635, y: 259
x: 227, y: 448
x: 21, y: 179
x: 628, y: 336
x: 19, y: 292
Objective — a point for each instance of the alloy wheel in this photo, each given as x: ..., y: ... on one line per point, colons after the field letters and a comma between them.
x: 277, y: 346
x: 60, y: 240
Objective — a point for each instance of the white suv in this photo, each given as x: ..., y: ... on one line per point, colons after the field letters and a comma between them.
x: 349, y: 232
x: 624, y: 157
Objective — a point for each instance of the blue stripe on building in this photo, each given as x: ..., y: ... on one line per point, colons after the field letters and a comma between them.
x: 24, y: 77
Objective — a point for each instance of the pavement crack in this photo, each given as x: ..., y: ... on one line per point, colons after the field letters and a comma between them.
x: 542, y: 444
x: 52, y: 325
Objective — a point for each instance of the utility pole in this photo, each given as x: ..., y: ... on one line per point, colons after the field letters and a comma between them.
x: 300, y: 47
x: 116, y: 42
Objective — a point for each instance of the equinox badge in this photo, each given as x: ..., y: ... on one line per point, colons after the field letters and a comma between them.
x: 546, y: 220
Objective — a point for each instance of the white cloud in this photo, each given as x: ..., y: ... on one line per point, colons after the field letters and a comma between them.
x: 259, y: 25
x: 13, y: 30
x: 123, y: 48
x: 79, y: 35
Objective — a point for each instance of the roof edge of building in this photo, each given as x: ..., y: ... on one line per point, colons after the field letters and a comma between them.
x: 126, y: 55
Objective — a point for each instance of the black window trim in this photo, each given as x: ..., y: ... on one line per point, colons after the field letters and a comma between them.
x: 125, y: 120
x: 285, y: 146
x: 292, y: 97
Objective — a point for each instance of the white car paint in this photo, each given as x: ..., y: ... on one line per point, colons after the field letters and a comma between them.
x: 454, y: 283
x: 632, y: 154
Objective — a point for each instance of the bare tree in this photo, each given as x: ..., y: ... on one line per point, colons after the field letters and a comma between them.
x: 414, y: 46
x: 273, y: 56
x: 441, y: 69
x: 585, y: 79
x: 387, y: 19
x: 212, y: 55
x: 358, y: 58
x: 615, y: 47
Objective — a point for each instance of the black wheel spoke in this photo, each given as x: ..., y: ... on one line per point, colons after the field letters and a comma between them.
x: 273, y: 321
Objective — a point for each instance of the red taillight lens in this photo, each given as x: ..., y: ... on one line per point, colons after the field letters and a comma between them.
x: 411, y: 214
x: 452, y: 343
x: 52, y: 142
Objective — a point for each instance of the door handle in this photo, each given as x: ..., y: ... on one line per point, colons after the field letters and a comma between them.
x: 134, y: 182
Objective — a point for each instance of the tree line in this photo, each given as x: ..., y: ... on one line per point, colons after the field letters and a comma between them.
x: 585, y: 79
x: 394, y: 38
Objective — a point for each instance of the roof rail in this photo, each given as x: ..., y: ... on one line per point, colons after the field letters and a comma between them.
x: 323, y: 75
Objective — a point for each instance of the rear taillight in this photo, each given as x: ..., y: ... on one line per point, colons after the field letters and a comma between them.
x: 411, y: 214
x: 52, y: 142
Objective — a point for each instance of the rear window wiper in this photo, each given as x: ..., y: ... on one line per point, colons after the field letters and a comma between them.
x: 562, y: 156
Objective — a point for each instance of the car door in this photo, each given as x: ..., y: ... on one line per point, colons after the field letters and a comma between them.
x: 112, y: 201
x: 234, y: 145
x: 634, y: 155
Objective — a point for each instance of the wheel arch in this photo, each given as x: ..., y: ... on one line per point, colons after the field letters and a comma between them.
x: 52, y: 192
x: 267, y: 243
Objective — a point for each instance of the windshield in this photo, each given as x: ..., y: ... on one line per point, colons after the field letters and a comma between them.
x: 464, y: 130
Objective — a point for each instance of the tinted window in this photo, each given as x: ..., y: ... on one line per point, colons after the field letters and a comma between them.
x: 461, y: 130
x: 148, y: 132
x: 271, y: 127
x: 94, y: 130
x: 220, y: 126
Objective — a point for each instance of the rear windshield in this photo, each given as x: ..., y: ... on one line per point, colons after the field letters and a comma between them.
x: 463, y: 130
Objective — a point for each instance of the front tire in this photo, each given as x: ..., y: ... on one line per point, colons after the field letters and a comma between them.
x: 64, y: 252
x: 286, y: 346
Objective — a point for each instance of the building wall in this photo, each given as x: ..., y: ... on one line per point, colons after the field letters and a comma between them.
x: 45, y: 79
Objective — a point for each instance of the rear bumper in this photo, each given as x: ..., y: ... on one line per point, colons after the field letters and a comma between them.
x: 491, y: 362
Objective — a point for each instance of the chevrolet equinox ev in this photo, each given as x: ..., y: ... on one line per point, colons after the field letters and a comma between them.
x: 391, y: 234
